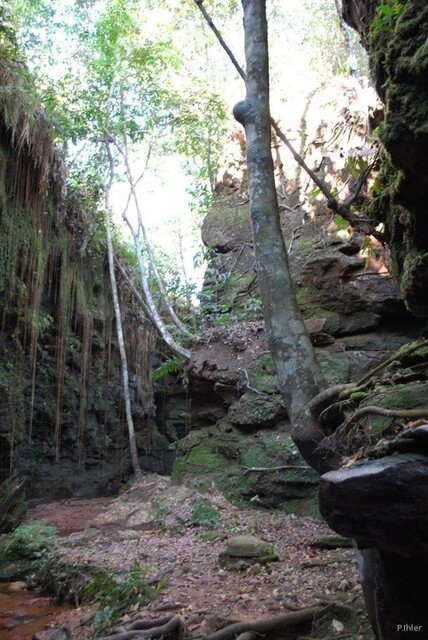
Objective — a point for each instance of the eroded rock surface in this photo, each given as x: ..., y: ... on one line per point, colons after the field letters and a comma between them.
x: 398, y: 53
x: 382, y: 505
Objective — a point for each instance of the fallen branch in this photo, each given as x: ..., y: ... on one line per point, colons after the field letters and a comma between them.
x: 283, y: 467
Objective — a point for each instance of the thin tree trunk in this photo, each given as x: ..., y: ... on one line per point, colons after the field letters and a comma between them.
x: 155, y: 316
x: 119, y: 327
x: 132, y: 186
x: 299, y: 375
x: 153, y: 313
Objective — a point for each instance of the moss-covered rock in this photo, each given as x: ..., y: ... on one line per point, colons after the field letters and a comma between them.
x: 398, y: 51
x: 256, y: 411
x: 222, y: 456
x: 413, y: 395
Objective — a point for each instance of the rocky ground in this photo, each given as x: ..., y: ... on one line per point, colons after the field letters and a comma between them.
x: 166, y: 530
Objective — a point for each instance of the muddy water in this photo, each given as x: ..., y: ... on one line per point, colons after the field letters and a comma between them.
x: 22, y: 613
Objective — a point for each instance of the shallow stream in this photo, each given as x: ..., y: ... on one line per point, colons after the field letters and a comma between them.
x: 22, y: 613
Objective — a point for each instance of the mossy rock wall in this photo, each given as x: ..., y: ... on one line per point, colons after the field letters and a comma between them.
x: 222, y: 455
x: 398, y: 51
x: 353, y: 312
x: 62, y: 419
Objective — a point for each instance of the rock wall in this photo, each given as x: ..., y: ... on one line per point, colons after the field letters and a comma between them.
x: 397, y: 45
x: 353, y: 310
x: 62, y: 421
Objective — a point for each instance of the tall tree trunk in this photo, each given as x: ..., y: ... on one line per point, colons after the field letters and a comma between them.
x: 299, y: 375
x: 119, y: 326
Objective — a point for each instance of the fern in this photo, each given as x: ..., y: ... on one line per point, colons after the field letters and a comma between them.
x: 172, y: 365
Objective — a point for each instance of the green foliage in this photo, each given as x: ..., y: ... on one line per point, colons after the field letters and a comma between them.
x: 356, y: 165
x: 367, y: 247
x: 358, y: 396
x: 173, y: 365
x: 117, y: 592
x: 340, y: 223
x: 204, y: 514
x: 387, y: 15
x: 30, y: 541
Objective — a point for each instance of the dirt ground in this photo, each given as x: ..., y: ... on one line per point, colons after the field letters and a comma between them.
x: 151, y: 523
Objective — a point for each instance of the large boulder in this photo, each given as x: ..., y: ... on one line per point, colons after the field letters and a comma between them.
x: 382, y: 504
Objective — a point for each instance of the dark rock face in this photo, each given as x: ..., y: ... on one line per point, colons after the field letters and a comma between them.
x: 398, y: 54
x: 382, y: 504
x: 359, y: 15
x: 62, y: 423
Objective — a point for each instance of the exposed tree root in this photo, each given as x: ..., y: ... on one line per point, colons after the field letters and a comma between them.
x: 249, y: 635
x: 169, y: 626
x: 332, y: 397
x: 410, y: 414
x: 173, y: 627
x: 335, y: 393
x: 414, y: 346
x: 269, y: 626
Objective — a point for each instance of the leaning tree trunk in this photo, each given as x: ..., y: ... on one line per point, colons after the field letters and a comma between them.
x: 299, y: 375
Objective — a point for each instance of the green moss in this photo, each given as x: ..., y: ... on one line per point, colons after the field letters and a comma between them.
x: 218, y: 456
x: 236, y: 283
x: 335, y: 366
x: 226, y: 212
x: 303, y: 507
x: 262, y: 374
x: 413, y: 279
x: 201, y: 457
x: 401, y: 396
x: 399, y: 59
x: 204, y: 514
x: 255, y: 410
x: 383, y: 209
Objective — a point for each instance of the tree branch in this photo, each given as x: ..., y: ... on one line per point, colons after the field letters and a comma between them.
x: 137, y: 295
x: 361, y: 223
x: 123, y: 150
x: 284, y: 467
x: 423, y: 342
